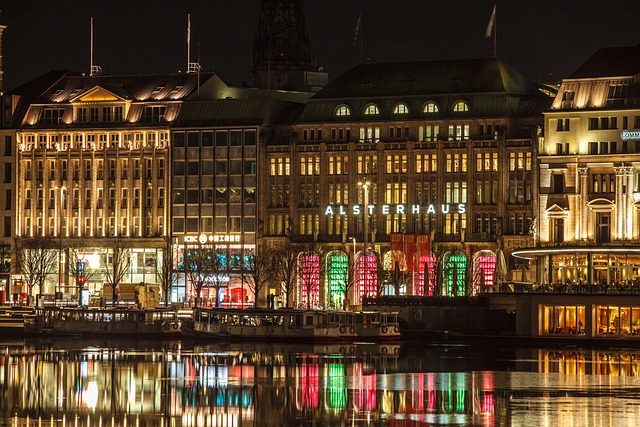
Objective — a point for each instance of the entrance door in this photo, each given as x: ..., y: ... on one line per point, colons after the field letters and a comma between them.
x: 558, y: 230
x: 603, y: 227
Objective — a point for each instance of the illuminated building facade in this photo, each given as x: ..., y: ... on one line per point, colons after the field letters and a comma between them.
x: 215, y: 194
x: 429, y: 165
x: 588, y: 222
x: 92, y: 160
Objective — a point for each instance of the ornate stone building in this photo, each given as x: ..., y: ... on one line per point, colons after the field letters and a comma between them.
x: 589, y: 228
x: 93, y: 163
x: 431, y: 165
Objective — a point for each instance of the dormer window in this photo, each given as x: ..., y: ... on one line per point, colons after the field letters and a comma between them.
x: 371, y: 109
x: 153, y: 114
x: 401, y: 108
x: 343, y: 110
x: 460, y: 107
x: 430, y: 108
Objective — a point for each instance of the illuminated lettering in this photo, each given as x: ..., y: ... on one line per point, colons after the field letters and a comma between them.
x: 445, y: 208
x: 462, y: 208
x: 400, y: 209
x: 385, y: 209
x: 328, y: 211
x: 415, y: 209
x: 356, y: 209
x: 342, y: 212
x: 431, y: 209
x: 371, y: 208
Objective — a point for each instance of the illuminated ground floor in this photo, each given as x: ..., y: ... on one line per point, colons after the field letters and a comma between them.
x: 582, y: 265
x: 578, y: 316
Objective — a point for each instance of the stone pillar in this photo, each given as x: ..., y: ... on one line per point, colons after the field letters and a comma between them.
x: 630, y: 210
x: 620, y: 206
x: 583, y: 212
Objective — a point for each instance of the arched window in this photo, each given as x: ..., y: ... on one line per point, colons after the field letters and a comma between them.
x: 371, y: 109
x: 343, y: 110
x: 460, y: 106
x: 337, y: 277
x: 430, y: 107
x: 308, y: 280
x: 454, y: 271
x: 483, y: 271
x: 401, y: 108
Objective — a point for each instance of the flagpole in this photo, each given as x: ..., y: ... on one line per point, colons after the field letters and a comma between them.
x: 361, y: 42
x: 495, y: 33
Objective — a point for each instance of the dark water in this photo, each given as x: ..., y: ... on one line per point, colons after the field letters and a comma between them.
x: 120, y: 383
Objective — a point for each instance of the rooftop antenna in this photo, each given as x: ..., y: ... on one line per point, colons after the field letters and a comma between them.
x: 192, y: 67
x: 94, y: 70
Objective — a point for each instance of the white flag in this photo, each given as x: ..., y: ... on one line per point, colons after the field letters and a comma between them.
x: 358, y: 26
x: 492, y: 22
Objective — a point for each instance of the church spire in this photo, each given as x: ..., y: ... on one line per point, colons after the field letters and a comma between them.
x: 281, y: 44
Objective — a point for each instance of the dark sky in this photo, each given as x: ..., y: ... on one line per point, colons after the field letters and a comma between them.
x: 542, y: 38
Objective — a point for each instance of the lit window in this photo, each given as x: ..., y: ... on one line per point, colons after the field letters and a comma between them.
x: 401, y: 109
x: 430, y: 107
x: 460, y: 106
x: 343, y: 110
x: 371, y: 109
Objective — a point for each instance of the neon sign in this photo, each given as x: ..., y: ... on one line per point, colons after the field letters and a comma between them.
x: 213, y: 238
x: 630, y: 135
x: 396, y: 209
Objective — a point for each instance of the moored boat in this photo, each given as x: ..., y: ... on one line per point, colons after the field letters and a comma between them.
x: 294, y: 324
x: 103, y: 321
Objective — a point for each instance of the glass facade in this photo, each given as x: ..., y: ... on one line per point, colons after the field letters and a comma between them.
x: 563, y: 319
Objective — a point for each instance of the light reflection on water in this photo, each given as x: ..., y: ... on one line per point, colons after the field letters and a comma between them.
x: 181, y: 384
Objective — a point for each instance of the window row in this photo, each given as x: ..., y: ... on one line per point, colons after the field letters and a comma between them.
x: 149, y: 226
x: 219, y: 138
x: 147, y: 168
x: 220, y: 195
x: 219, y: 224
x: 400, y: 108
x: 62, y: 198
x: 93, y: 141
x: 217, y: 168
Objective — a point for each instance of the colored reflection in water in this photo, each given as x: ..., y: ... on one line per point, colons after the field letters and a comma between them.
x: 267, y: 385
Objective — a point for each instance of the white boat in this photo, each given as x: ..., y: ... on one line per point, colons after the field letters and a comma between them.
x: 298, y: 325
x: 103, y: 321
x: 367, y: 325
x: 294, y: 325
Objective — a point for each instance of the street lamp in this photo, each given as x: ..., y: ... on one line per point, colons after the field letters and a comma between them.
x: 60, y: 221
x: 365, y: 188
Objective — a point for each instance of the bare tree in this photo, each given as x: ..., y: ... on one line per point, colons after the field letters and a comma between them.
x: 343, y: 274
x: 115, y: 265
x: 37, y: 258
x: 285, y: 271
x: 76, y: 256
x: 205, y: 267
x: 166, y: 273
x: 257, y: 271
x: 310, y: 268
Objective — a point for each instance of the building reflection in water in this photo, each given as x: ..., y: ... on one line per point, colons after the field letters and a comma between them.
x: 228, y: 385
x: 233, y: 387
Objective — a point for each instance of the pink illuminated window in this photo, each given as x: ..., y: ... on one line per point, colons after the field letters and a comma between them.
x: 484, y: 267
x: 368, y: 275
x: 309, y: 279
x: 426, y: 263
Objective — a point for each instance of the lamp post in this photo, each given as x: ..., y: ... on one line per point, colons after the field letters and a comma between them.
x: 60, y: 221
x: 365, y: 188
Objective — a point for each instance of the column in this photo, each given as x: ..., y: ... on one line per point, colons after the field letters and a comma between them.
x: 630, y: 211
x: 583, y: 212
x: 620, y: 206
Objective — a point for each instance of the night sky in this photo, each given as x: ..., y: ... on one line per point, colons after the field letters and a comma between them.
x: 545, y: 39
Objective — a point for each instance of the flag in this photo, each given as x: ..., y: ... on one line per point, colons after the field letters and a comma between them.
x: 358, y: 27
x: 492, y: 22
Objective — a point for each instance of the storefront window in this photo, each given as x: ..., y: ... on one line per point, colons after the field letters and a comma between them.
x: 337, y: 277
x: 615, y: 320
x: 484, y: 267
x: 455, y: 271
x: 367, y: 275
x: 560, y: 319
x: 309, y: 279
x: 426, y: 269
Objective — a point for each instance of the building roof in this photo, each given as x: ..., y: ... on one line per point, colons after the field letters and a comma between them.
x: 489, y: 86
x: 610, y: 62
x: 231, y: 112
x: 488, y: 75
x: 63, y: 86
